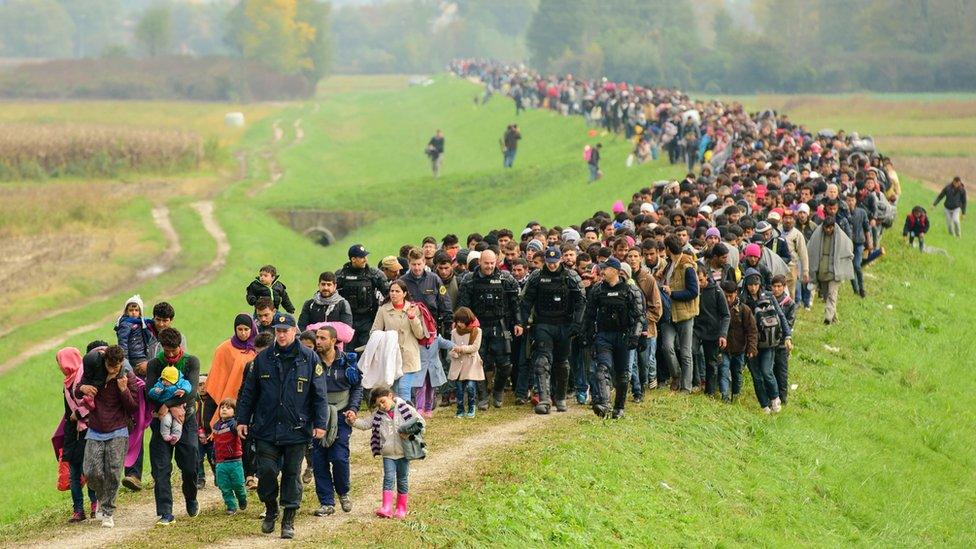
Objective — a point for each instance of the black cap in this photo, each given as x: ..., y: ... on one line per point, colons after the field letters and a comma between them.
x: 357, y: 250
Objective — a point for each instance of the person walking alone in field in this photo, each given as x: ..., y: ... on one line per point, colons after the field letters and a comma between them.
x: 955, y: 205
x: 592, y: 157
x: 435, y: 151
x: 510, y: 144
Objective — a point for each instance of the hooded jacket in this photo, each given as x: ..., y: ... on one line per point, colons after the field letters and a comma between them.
x: 276, y: 291
x: 135, y: 335
x: 712, y: 321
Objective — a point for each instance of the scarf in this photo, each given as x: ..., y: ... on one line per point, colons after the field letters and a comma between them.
x: 177, y: 361
x: 69, y: 359
x: 244, y: 319
x: 328, y: 302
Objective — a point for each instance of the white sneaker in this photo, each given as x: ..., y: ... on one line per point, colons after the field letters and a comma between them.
x: 766, y: 410
x: 99, y: 515
x: 776, y: 405
x: 108, y: 522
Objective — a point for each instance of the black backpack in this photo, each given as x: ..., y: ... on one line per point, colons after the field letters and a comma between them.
x: 767, y: 322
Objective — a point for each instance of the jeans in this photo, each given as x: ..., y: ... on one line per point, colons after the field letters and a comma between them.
x: 396, y: 470
x: 509, y: 157
x: 287, y: 460
x: 676, y: 343
x: 161, y: 454
x: 857, y: 283
x: 581, y: 360
x: 781, y: 369
x: 763, y: 378
x: 921, y: 240
x: 803, y: 293
x: 229, y: 477
x: 77, y: 495
x: 331, y: 466
x: 730, y: 377
x: 404, y: 386
x: 594, y: 172
x: 649, y: 358
x: 467, y: 387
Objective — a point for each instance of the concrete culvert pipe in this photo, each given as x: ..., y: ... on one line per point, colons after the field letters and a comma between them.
x: 321, y: 235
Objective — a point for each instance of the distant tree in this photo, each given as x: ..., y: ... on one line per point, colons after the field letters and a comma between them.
x: 556, y: 27
x: 34, y: 28
x: 98, y: 23
x: 154, y: 32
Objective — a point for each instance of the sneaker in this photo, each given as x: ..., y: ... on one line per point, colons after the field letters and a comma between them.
x: 308, y: 476
x: 541, y: 408
x: 519, y: 401
x: 560, y: 405
x: 534, y: 400
x: 77, y: 516
x: 345, y: 503
x: 483, y: 405
x: 132, y: 482
x: 652, y: 384
x: 459, y: 415
x: 166, y: 520
x: 638, y: 399
x: 581, y: 399
x: 232, y: 511
x: 776, y: 405
x: 496, y: 402
x: 766, y: 410
x: 324, y: 511
x: 471, y: 414
x: 601, y: 410
x: 263, y: 514
x: 108, y: 522
x: 617, y: 413
x: 193, y: 508
x: 98, y: 515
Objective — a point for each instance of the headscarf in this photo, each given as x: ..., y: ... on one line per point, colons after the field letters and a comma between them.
x: 69, y: 360
x: 244, y: 319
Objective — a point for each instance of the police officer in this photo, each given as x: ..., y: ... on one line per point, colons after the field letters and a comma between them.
x: 359, y: 283
x: 283, y: 405
x: 612, y: 323
x: 555, y: 294
x: 331, y: 464
x: 493, y: 295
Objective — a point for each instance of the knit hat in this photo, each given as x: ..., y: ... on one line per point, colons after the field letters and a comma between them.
x: 534, y: 245
x: 618, y: 206
x: 571, y: 236
x: 170, y: 374
x: 752, y: 250
x: 647, y: 207
x: 625, y: 267
x: 713, y: 231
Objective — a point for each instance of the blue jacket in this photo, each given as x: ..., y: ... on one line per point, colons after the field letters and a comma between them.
x: 161, y: 393
x: 135, y: 337
x: 343, y: 375
x: 284, y: 395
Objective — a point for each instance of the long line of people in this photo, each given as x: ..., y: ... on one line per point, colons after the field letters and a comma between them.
x: 700, y: 277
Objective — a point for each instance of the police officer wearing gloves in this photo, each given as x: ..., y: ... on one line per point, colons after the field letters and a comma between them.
x: 359, y: 283
x: 283, y: 404
x: 493, y: 295
x: 555, y: 296
x: 612, y: 323
x: 330, y: 458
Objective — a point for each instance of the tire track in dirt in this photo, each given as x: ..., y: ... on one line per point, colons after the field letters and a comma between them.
x: 427, y: 475
x: 210, y: 224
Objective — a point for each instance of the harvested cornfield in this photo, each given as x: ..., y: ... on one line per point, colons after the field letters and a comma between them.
x: 39, y: 151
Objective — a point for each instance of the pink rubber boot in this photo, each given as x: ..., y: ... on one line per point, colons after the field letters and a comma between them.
x: 401, y: 506
x: 386, y: 510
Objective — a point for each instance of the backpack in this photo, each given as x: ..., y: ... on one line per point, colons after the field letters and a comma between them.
x: 767, y: 322
x: 587, y: 153
x: 886, y: 211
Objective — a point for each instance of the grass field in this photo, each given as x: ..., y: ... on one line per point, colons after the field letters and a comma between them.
x: 874, y: 448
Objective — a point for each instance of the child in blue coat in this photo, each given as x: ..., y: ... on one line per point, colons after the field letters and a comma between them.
x: 171, y: 385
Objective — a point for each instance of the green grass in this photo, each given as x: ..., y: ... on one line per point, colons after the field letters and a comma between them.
x: 873, y: 448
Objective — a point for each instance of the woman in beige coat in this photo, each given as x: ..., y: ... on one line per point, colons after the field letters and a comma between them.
x: 398, y: 314
x: 466, y: 366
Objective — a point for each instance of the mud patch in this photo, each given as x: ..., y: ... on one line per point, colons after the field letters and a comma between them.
x: 324, y: 227
x: 936, y: 172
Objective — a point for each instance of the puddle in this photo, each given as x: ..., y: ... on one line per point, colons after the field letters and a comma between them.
x: 324, y: 227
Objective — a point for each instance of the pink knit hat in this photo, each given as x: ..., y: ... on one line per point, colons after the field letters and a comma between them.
x: 752, y: 250
x: 618, y: 206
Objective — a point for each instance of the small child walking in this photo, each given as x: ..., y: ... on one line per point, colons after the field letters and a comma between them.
x: 266, y: 284
x: 228, y: 453
x: 171, y: 385
x: 466, y: 366
x: 397, y: 437
x: 916, y: 225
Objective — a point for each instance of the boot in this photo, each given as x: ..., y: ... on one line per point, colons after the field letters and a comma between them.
x: 401, y: 506
x: 542, y: 408
x: 270, y: 517
x: 386, y: 510
x: 288, y: 524
x: 620, y: 395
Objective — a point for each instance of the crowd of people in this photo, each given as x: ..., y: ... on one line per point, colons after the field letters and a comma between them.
x: 677, y: 288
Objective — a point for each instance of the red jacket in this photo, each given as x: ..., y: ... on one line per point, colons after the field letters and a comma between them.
x: 227, y: 445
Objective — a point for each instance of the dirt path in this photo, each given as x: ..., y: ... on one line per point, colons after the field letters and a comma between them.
x: 278, y: 132
x: 299, y: 132
x: 161, y: 216
x: 424, y: 476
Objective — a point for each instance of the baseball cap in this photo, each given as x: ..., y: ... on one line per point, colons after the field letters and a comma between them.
x: 612, y: 263
x: 283, y: 320
x: 553, y: 255
x: 357, y: 250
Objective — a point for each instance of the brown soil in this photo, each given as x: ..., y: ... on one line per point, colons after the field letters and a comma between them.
x: 936, y: 172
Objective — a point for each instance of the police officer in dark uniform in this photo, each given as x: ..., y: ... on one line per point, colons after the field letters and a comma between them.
x: 283, y: 405
x: 555, y: 295
x: 493, y: 295
x: 612, y: 324
x: 358, y: 283
x: 331, y: 463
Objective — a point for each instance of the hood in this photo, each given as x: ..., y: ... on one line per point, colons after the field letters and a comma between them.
x: 750, y: 272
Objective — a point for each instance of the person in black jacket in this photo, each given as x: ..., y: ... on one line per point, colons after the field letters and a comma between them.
x: 711, y: 328
x: 510, y: 144
x: 327, y: 305
x: 266, y: 284
x: 359, y: 283
x: 435, y: 151
x: 916, y: 225
x: 283, y: 405
x: 955, y: 205
x: 161, y: 452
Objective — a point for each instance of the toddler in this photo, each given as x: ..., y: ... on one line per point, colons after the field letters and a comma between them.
x: 228, y: 452
x: 171, y: 385
x: 466, y: 366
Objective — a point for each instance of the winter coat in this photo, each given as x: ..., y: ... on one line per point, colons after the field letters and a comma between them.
x: 387, y: 428
x: 135, y: 335
x: 408, y: 332
x: 652, y: 298
x: 162, y: 393
x: 317, y: 310
x: 915, y: 225
x: 226, y: 443
x: 798, y: 249
x: 712, y: 321
x: 684, y: 289
x: 743, y: 336
x: 113, y: 408
x: 468, y: 365
x: 226, y: 374
x: 276, y: 291
x: 430, y: 363
x: 842, y: 257
x: 954, y: 197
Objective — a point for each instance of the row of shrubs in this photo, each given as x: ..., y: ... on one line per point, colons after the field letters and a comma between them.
x: 166, y: 77
x: 40, y: 151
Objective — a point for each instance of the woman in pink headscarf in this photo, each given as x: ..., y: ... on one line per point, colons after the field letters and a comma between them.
x: 74, y: 426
